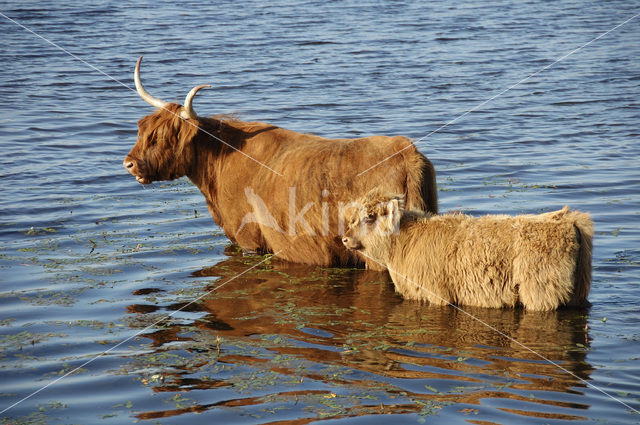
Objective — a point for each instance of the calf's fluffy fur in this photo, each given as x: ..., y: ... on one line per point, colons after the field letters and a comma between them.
x: 541, y: 262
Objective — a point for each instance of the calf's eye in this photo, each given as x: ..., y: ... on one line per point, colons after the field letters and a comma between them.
x: 370, y: 218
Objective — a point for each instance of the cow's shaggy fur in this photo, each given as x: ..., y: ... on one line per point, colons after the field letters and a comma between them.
x: 256, y: 207
x: 540, y: 261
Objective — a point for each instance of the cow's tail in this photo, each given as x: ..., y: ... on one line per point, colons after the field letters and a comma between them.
x: 584, y: 232
x: 421, y: 181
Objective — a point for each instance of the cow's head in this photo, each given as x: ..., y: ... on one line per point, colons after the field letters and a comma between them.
x: 371, y: 221
x: 164, y: 150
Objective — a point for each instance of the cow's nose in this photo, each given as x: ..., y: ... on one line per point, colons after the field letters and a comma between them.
x: 345, y: 240
x: 128, y: 164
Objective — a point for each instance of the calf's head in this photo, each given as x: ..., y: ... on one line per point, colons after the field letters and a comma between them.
x: 164, y: 149
x: 371, y: 222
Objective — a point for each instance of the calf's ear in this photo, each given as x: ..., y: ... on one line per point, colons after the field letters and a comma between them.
x: 393, y: 214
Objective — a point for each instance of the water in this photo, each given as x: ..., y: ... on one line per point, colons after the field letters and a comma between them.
x: 90, y: 261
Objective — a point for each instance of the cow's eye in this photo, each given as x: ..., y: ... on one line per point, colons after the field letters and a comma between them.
x: 370, y: 218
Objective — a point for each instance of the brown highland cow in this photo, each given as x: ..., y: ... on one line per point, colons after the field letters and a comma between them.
x: 272, y: 189
x: 540, y: 261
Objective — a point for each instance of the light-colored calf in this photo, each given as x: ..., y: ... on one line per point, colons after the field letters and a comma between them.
x: 539, y: 261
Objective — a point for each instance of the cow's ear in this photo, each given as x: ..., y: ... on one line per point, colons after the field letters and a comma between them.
x: 393, y: 213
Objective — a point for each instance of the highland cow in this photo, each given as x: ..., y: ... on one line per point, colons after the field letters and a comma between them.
x: 541, y: 262
x: 272, y: 189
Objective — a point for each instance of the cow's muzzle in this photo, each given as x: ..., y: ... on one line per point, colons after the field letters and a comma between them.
x: 133, y: 168
x: 351, y: 243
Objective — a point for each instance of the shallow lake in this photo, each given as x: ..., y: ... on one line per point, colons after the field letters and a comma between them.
x: 121, y: 303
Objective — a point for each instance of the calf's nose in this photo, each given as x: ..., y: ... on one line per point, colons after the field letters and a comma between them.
x: 128, y: 164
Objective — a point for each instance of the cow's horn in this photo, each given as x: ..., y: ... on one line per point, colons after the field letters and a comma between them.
x: 143, y: 93
x: 188, y: 111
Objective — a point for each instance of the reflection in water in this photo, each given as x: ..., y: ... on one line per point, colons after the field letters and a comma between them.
x: 339, y: 343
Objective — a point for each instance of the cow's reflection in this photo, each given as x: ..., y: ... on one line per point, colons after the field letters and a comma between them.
x: 352, y: 319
